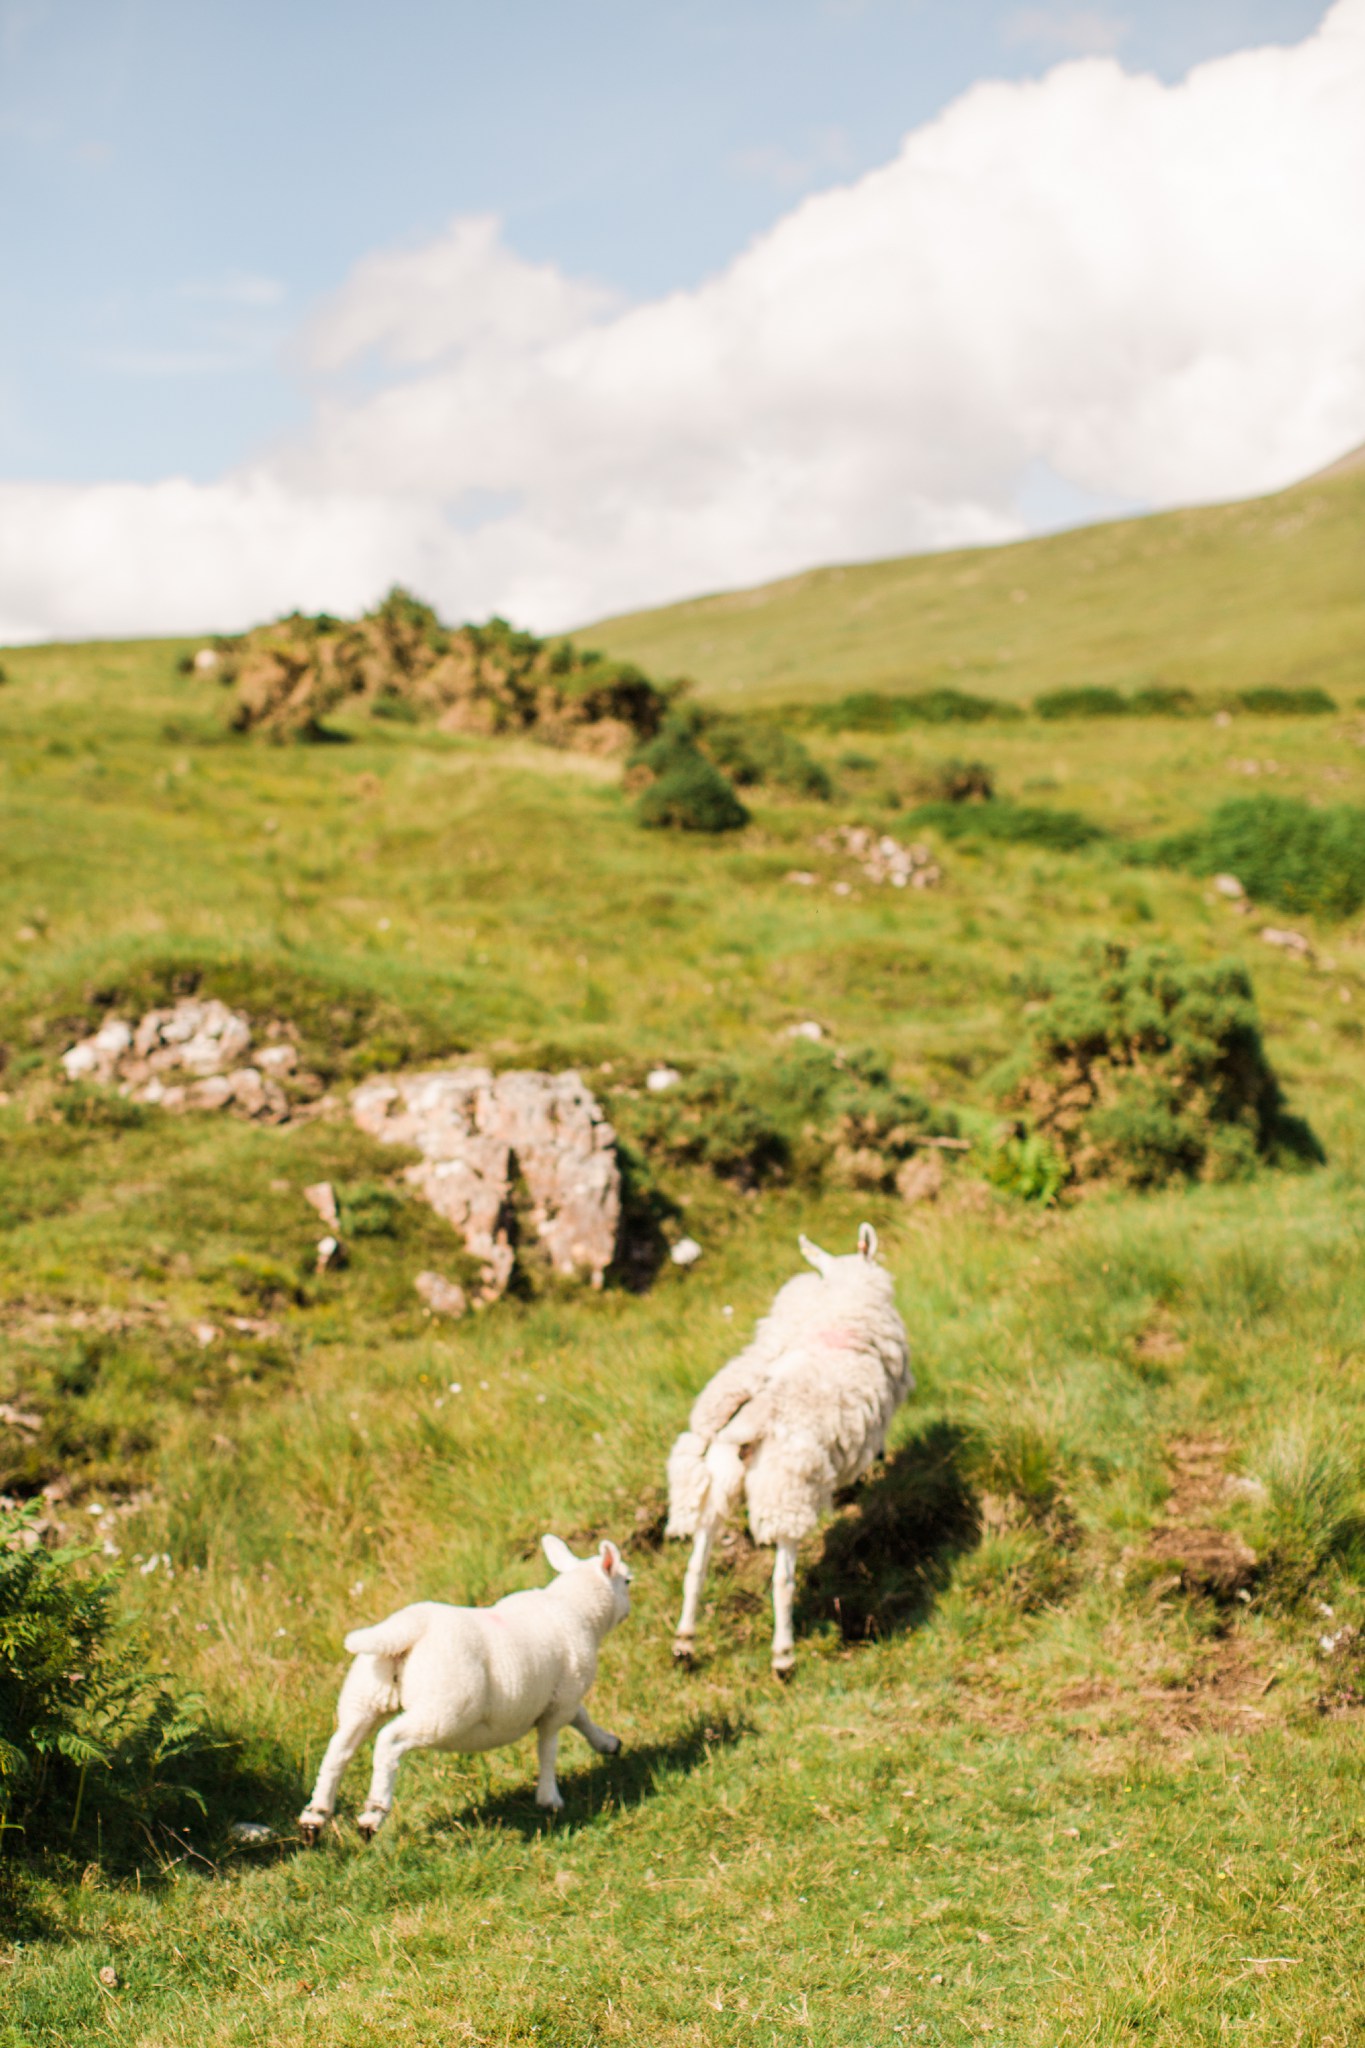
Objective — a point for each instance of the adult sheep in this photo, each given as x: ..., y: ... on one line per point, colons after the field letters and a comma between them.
x: 803, y: 1411
x: 473, y: 1678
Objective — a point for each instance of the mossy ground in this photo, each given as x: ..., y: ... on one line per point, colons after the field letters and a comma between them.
x: 1031, y: 1790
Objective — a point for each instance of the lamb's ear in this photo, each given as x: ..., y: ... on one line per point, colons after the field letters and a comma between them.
x: 867, y: 1241
x: 813, y: 1256
x: 611, y: 1558
x: 558, y: 1555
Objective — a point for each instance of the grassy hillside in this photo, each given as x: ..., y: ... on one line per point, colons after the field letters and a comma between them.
x: 1223, y: 597
x: 1059, y: 1794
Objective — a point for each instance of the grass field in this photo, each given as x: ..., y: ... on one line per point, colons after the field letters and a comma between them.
x: 1056, y: 1799
x: 1221, y: 597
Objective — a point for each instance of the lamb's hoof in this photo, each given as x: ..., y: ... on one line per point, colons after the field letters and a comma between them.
x: 784, y: 1665
x: 555, y: 1805
x: 311, y: 1825
x: 684, y: 1650
x: 371, y: 1821
x: 613, y: 1747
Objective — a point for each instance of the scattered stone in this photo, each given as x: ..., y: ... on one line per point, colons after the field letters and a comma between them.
x: 660, y: 1078
x: 250, y: 1833
x: 685, y: 1252
x: 476, y: 1131
x: 882, y: 858
x: 801, y: 876
x: 204, y: 1334
x: 192, y: 1056
x: 331, y: 1255
x: 1292, y: 942
x: 809, y: 1029
x: 443, y: 1297
x: 19, y: 1418
x: 1229, y: 886
x: 109, y: 1977
x: 206, y: 660
x: 322, y: 1197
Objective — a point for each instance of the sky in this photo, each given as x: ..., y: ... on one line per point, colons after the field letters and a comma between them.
x: 576, y: 306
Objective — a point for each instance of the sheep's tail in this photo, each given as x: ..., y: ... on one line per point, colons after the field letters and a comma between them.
x: 391, y: 1638
x: 704, y: 1482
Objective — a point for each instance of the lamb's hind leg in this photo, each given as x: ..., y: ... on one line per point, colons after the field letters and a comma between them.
x: 692, y: 1591
x: 784, y: 1593
x: 394, y: 1742
x: 356, y: 1722
x: 604, y: 1744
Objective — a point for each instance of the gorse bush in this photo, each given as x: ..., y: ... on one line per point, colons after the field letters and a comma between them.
x: 684, y: 790
x: 881, y: 711
x: 1275, y: 700
x: 1089, y: 701
x: 958, y: 782
x: 1011, y: 823
x: 89, y: 1737
x: 1282, y: 850
x: 810, y: 1115
x: 752, y: 751
x: 1144, y: 1069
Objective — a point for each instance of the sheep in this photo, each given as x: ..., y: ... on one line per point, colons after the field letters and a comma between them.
x: 803, y: 1411
x: 473, y: 1678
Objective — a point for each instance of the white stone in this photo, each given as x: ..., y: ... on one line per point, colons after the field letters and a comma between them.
x: 685, y: 1252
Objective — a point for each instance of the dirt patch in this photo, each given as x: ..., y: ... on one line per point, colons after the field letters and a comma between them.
x: 1203, y: 1558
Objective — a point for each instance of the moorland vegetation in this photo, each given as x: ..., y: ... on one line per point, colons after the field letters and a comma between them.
x: 1073, y: 1750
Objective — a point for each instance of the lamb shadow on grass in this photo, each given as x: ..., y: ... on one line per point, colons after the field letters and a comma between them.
x: 886, y: 1558
x: 611, y: 1784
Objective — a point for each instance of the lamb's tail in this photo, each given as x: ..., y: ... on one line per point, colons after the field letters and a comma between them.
x: 393, y: 1637
x: 704, y: 1481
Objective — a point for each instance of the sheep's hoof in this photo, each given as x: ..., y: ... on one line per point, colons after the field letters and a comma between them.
x: 684, y: 1650
x: 784, y: 1665
x: 555, y: 1805
x: 371, y: 1821
x: 311, y: 1825
x: 613, y: 1747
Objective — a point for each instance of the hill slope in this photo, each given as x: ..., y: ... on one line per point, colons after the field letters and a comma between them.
x: 1265, y: 591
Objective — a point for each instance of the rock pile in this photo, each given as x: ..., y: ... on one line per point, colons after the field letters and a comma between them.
x: 196, y: 1055
x: 477, y: 1131
x: 884, y: 859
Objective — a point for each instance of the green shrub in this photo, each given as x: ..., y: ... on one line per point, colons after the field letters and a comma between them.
x: 1281, y: 849
x: 1159, y: 700
x: 959, y: 782
x: 1024, y: 1164
x: 686, y: 792
x: 880, y: 711
x: 368, y: 1209
x: 1015, y: 824
x: 1273, y: 700
x: 808, y: 1115
x: 87, y: 1733
x: 1143, y: 1068
x: 751, y: 750
x: 1092, y: 700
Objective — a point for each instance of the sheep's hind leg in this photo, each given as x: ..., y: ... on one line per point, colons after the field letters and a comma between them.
x: 692, y: 1590
x: 354, y: 1729
x: 392, y: 1746
x: 604, y: 1744
x: 784, y: 1591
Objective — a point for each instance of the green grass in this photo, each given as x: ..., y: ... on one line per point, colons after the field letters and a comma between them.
x: 1222, y: 598
x: 1021, y: 1780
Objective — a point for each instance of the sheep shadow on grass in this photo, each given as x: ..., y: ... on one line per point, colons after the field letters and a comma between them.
x: 610, y: 1784
x: 887, y: 1556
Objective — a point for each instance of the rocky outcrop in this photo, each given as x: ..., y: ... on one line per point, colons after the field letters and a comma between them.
x: 199, y: 1054
x: 477, y: 1132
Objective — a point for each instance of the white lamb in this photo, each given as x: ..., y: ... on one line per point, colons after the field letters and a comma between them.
x: 800, y: 1413
x: 472, y: 1678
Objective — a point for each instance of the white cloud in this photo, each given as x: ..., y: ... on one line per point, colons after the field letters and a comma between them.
x: 1154, y: 294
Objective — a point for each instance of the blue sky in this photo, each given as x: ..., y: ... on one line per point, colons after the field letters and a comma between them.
x: 571, y: 305
x: 179, y: 180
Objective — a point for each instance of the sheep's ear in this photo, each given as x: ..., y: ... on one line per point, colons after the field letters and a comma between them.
x: 867, y: 1241
x: 813, y: 1256
x: 558, y: 1555
x: 611, y: 1558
